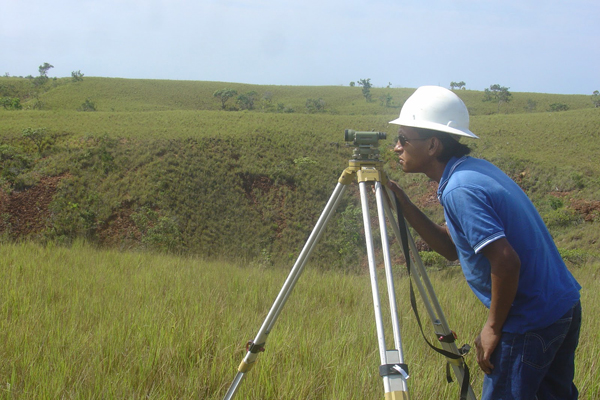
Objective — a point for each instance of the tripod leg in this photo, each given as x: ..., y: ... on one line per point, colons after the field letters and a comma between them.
x: 432, y: 305
x: 258, y: 344
x: 393, y: 382
x: 388, y: 267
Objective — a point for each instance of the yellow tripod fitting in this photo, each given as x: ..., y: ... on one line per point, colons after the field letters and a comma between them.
x: 245, y: 367
x: 396, y: 396
x: 365, y: 171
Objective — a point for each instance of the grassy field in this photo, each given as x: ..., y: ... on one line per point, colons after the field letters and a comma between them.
x: 141, y: 95
x: 232, y: 195
x: 92, y: 324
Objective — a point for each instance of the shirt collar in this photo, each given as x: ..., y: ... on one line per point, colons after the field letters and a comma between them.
x: 448, y: 171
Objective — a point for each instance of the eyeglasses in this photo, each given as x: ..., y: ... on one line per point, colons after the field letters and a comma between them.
x: 403, y: 139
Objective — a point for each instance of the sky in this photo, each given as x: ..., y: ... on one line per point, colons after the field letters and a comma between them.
x: 550, y: 46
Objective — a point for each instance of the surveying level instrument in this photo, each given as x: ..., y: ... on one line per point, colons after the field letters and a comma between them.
x: 367, y: 168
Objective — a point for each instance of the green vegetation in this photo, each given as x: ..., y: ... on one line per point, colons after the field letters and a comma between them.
x: 457, y: 85
x: 366, y: 88
x: 76, y: 76
x: 170, y: 167
x: 224, y: 95
x: 11, y: 103
x: 83, y: 323
x: 174, y: 166
x: 497, y: 93
x: 596, y: 98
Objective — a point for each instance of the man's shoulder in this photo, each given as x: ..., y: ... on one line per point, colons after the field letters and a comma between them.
x: 471, y: 162
x: 476, y: 171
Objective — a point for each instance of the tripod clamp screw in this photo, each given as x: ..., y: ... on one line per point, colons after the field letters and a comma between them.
x: 394, y: 369
x: 254, y: 348
x: 449, y: 338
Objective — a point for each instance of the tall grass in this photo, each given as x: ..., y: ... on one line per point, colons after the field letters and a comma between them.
x: 89, y: 324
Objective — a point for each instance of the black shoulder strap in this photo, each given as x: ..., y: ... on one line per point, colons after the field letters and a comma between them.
x: 413, y: 302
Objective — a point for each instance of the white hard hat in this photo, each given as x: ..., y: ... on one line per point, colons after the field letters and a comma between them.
x: 436, y: 108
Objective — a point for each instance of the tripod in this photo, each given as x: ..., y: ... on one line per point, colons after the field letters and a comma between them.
x: 368, y: 170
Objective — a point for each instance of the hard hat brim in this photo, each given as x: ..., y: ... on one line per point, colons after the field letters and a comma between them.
x: 436, y: 127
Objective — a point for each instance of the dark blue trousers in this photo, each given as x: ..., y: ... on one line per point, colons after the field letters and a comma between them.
x: 537, y: 365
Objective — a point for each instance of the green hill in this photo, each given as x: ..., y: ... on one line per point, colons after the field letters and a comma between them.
x: 161, y: 165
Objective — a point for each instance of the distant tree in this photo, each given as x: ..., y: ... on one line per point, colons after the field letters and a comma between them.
x: 282, y: 108
x: 558, y: 107
x: 596, y: 98
x: 224, y: 95
x: 531, y: 105
x: 457, y: 85
x: 366, y: 88
x: 43, y: 77
x: 44, y: 69
x: 315, y: 105
x: 76, y: 76
x: 352, y: 84
x: 497, y: 93
x: 267, y: 102
x: 246, y: 100
x: 268, y: 97
x: 87, y: 105
x: 386, y: 100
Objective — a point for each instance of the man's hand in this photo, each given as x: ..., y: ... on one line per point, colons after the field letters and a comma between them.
x: 436, y: 236
x: 485, y: 344
x: 394, y: 187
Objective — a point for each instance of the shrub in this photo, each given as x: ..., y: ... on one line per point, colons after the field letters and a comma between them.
x: 433, y: 259
x: 87, y: 105
x: 76, y: 76
x: 558, y: 107
x: 574, y: 256
x: 9, y: 103
x: 12, y: 162
x: 315, y: 105
x: 561, y: 217
x: 39, y: 137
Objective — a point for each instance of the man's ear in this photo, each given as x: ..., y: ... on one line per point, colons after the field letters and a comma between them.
x: 435, y: 147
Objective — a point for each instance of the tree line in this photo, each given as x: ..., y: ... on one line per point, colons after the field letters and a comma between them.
x: 10, y: 98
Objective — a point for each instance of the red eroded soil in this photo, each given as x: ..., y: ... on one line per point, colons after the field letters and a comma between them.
x: 119, y: 230
x: 590, y: 210
x: 26, y: 212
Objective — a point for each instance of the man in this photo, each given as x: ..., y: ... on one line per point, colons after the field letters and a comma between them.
x: 526, y: 347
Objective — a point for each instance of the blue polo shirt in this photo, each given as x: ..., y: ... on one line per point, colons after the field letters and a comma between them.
x: 481, y: 205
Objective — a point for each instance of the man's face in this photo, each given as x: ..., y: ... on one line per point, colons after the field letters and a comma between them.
x: 411, y: 150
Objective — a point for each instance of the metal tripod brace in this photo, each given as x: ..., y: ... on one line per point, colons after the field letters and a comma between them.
x: 393, y: 370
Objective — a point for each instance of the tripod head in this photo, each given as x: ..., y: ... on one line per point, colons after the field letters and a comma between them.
x: 367, y: 144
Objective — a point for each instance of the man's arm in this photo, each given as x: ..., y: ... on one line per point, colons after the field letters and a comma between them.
x: 505, y: 264
x: 436, y: 236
